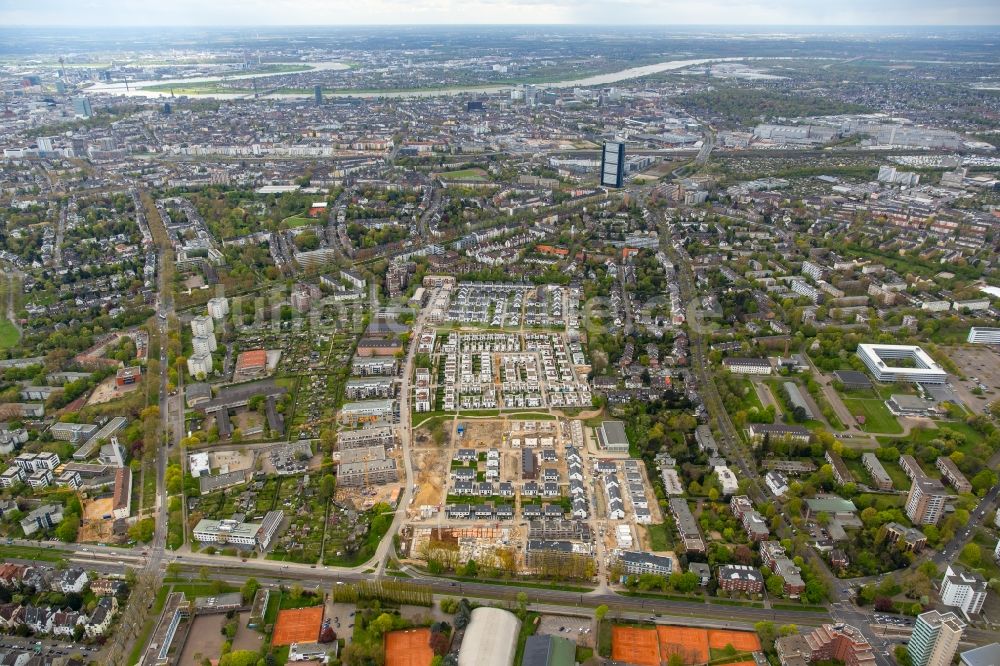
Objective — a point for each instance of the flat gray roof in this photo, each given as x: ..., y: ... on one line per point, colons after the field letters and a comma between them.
x: 614, y: 433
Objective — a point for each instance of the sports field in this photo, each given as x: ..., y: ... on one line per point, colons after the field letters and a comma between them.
x: 691, y: 643
x: 743, y: 641
x: 654, y: 647
x: 409, y: 647
x: 635, y: 645
x: 297, y: 625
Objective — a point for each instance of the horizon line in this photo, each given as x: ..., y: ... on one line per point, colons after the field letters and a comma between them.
x: 501, y: 25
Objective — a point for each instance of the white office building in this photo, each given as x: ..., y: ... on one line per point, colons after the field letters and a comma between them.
x: 980, y: 335
x: 879, y: 360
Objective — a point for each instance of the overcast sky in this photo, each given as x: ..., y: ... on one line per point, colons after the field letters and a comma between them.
x: 394, y: 12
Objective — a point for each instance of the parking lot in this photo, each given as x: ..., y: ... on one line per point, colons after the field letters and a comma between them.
x: 577, y: 629
x: 981, y: 367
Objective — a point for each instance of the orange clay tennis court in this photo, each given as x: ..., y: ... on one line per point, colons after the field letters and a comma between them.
x: 691, y: 643
x: 743, y: 641
x: 635, y: 645
x: 410, y: 647
x: 298, y: 625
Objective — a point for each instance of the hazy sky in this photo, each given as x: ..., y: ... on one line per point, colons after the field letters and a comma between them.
x: 637, y: 12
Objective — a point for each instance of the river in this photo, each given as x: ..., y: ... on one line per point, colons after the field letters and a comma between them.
x: 135, y: 88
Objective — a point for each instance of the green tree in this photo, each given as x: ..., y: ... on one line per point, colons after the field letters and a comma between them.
x: 68, y: 529
x: 600, y: 612
x: 972, y: 554
x: 249, y: 589
x: 775, y: 586
x: 522, y: 603
x: 382, y: 624
x: 326, y: 487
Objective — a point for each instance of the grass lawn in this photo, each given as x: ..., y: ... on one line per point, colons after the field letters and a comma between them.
x: 751, y: 399
x: 296, y: 221
x: 192, y: 590
x: 657, y: 537
x: 899, y: 479
x: 465, y: 174
x: 281, y: 654
x: 877, y: 415
x: 273, y: 606
x: 9, y: 335
x: 736, y: 602
x: 527, y: 629
x: 32, y: 553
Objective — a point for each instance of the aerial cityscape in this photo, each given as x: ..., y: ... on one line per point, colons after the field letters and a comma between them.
x: 596, y: 339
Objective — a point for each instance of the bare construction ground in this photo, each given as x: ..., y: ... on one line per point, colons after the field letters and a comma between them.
x: 95, y: 527
x: 430, y: 466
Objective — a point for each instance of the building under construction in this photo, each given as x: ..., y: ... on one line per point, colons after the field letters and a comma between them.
x: 363, y: 467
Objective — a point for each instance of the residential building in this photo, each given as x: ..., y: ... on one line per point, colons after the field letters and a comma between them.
x: 778, y: 431
x: 740, y: 578
x: 362, y: 467
x: 687, y: 526
x: 935, y: 638
x: 841, y: 474
x: 925, y: 501
x: 880, y: 478
x: 776, y: 482
x: 951, y: 474
x: 637, y: 563
x: 218, y: 308
x: 42, y: 518
x: 840, y: 642
x: 963, y: 589
x: 910, y: 537
x: 774, y: 557
x: 747, y: 366
x: 199, y: 364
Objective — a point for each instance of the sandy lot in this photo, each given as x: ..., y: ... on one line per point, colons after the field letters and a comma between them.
x: 431, y: 465
x: 231, y: 460
x: 107, y: 391
x: 94, y: 526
